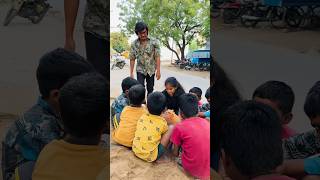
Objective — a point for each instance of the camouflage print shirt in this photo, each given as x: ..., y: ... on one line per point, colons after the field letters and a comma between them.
x: 145, y: 55
x: 118, y: 104
x: 96, y: 19
x: 302, y: 145
x: 28, y: 135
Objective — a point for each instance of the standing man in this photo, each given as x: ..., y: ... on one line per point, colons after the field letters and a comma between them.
x: 96, y: 31
x: 146, y: 51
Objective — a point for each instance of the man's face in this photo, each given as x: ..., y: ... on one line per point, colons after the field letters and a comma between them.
x: 143, y: 35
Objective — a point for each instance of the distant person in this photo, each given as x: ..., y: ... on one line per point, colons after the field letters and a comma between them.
x: 96, y: 32
x: 41, y: 124
x: 173, y: 92
x: 279, y: 96
x: 152, y: 136
x: 124, y: 132
x: 251, y: 142
x: 193, y: 136
x: 146, y: 51
x: 121, y: 101
x: 83, y: 103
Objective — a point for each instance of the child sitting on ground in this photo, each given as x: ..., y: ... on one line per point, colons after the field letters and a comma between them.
x: 205, y: 109
x: 153, y: 134
x: 124, y: 133
x: 83, y: 103
x: 193, y: 135
x: 279, y: 96
x: 301, y: 147
x: 121, y: 101
x: 172, y: 92
x: 197, y: 92
x: 251, y: 142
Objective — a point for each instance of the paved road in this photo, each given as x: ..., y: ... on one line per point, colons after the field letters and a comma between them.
x: 250, y: 63
x: 186, y: 80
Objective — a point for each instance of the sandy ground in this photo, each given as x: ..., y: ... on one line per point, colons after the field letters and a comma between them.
x: 253, y: 56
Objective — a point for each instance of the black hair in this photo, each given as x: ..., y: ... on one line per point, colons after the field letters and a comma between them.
x: 188, y: 104
x: 84, y: 101
x: 278, y: 92
x: 57, y: 67
x: 224, y: 94
x: 174, y: 82
x: 197, y: 91
x: 127, y: 83
x: 140, y: 26
x: 312, y: 102
x: 207, y: 95
x: 156, y: 103
x: 137, y: 94
x: 251, y: 137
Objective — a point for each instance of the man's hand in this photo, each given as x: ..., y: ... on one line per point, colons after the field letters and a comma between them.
x: 131, y: 75
x: 158, y: 75
x: 70, y: 44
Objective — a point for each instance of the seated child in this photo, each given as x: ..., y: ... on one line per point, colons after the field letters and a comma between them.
x: 197, y: 92
x: 121, y: 101
x: 279, y: 96
x: 251, y: 142
x: 206, y: 106
x: 124, y: 133
x: 193, y: 135
x: 83, y: 103
x: 41, y: 124
x: 153, y: 134
x: 301, y: 147
x: 172, y: 92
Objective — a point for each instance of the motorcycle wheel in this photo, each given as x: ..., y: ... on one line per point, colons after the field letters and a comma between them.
x: 293, y: 17
x: 246, y: 22
x: 112, y: 67
x: 276, y: 18
x: 121, y: 65
x: 10, y: 15
x: 36, y: 20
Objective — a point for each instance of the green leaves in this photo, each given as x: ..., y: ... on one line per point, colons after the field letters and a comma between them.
x: 119, y: 41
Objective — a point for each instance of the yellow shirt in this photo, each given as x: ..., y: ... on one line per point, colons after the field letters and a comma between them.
x: 148, y: 135
x: 124, y: 134
x: 64, y: 161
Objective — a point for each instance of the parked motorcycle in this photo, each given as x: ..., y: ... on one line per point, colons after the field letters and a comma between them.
x: 34, y: 10
x: 118, y: 62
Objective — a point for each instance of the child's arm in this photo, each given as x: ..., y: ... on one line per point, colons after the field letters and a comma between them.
x: 293, y: 168
x: 175, y: 150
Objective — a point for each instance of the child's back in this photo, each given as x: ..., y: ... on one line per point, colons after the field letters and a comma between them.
x: 124, y: 133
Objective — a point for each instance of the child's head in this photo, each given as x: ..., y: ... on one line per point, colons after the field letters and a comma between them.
x: 56, y: 68
x: 156, y: 103
x: 251, y: 140
x: 196, y: 91
x: 137, y: 95
x: 312, y: 105
x: 279, y: 96
x: 207, y: 95
x: 127, y: 83
x: 172, y: 85
x: 83, y: 101
x: 188, y: 104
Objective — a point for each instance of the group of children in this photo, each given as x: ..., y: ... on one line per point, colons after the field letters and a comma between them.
x: 59, y: 137
x: 167, y: 121
x: 255, y: 140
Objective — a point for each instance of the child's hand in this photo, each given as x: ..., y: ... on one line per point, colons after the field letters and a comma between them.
x: 171, y: 117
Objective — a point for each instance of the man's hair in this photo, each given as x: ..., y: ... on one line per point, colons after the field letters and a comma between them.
x: 156, y: 103
x: 57, y: 67
x: 207, y: 95
x: 84, y: 101
x: 312, y: 102
x: 140, y: 26
x: 278, y: 92
x: 251, y: 137
x: 188, y: 105
x: 197, y: 91
x: 127, y: 83
x: 137, y: 94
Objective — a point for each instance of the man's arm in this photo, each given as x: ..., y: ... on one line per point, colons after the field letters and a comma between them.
x: 132, y: 62
x: 158, y: 75
x: 70, y: 11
